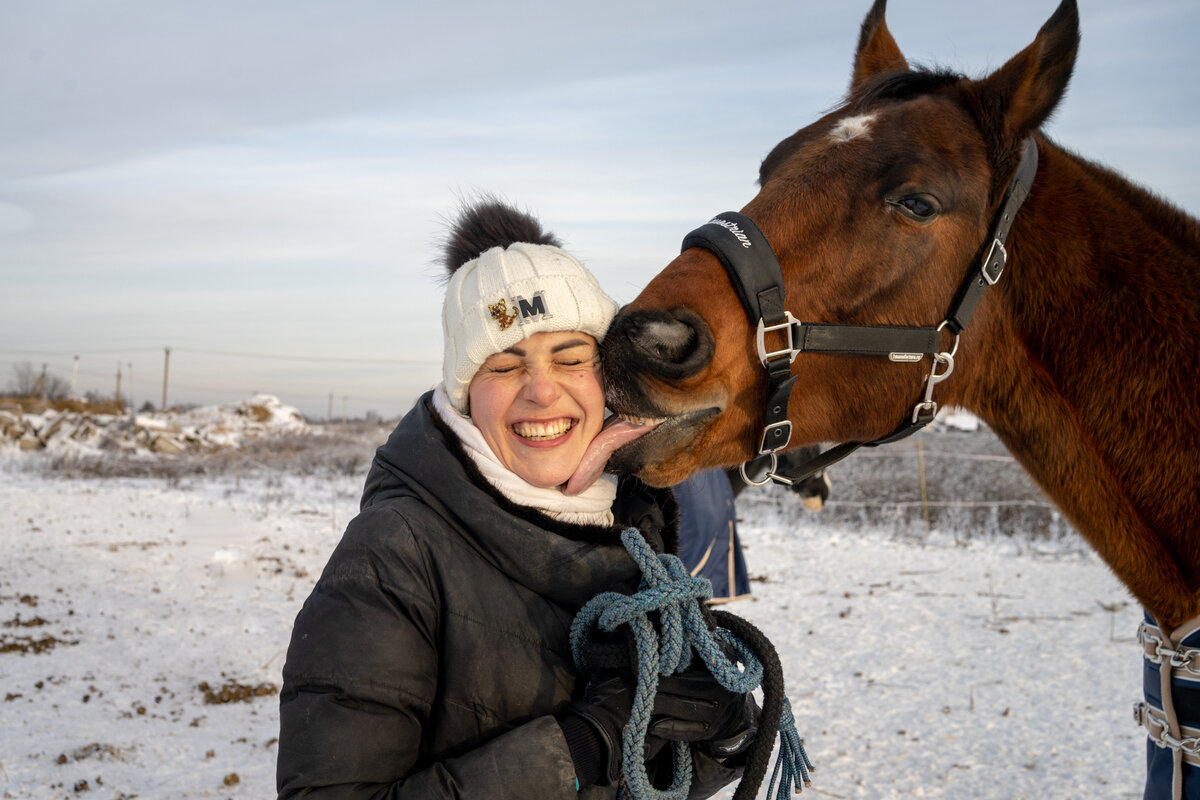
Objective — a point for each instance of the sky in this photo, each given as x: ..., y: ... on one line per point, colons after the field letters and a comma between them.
x: 263, y: 187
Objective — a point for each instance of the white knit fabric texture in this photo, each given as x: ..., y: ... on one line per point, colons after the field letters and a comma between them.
x: 508, y: 294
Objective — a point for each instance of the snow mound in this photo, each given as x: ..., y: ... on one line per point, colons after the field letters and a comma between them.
x: 202, y: 429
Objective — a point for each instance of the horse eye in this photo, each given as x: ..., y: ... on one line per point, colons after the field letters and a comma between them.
x: 917, y: 207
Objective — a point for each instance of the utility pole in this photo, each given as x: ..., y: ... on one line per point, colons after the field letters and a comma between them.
x: 329, y: 416
x: 118, y: 396
x: 41, y: 383
x: 74, y: 377
x: 166, y: 365
x: 132, y: 410
x: 343, y: 409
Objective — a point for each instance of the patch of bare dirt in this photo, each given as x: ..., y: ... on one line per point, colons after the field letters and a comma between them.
x: 234, y: 692
x: 29, y: 644
x: 21, y: 642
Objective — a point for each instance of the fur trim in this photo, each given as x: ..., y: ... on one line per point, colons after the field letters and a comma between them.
x: 489, y: 223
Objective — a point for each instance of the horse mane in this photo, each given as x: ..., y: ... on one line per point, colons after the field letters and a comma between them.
x: 903, y: 85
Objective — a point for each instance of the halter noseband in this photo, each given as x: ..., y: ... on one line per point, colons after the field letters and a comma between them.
x: 756, y: 275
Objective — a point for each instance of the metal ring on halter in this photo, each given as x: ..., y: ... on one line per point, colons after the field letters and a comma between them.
x: 766, y: 478
x: 953, y: 349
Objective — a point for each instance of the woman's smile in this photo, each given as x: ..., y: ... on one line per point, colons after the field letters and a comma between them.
x: 544, y: 431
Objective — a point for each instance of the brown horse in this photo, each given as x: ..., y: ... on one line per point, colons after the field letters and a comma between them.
x: 1083, y: 357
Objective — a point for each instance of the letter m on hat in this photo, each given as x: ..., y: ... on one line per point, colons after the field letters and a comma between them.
x: 533, y: 309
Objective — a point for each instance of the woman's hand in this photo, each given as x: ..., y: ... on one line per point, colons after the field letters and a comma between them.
x: 693, y: 707
x: 689, y: 707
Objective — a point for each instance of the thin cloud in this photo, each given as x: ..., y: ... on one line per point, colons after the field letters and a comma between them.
x: 273, y: 177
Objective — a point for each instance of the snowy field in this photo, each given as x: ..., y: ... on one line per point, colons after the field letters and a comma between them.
x: 985, y: 653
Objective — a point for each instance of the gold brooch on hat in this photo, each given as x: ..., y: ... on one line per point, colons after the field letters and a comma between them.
x: 500, y: 314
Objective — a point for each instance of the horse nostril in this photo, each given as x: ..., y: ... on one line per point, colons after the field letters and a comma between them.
x: 664, y: 340
x: 673, y: 346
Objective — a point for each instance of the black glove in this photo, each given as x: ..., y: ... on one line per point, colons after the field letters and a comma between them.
x: 693, y: 707
x: 736, y: 743
x: 594, y: 727
x: 689, y: 707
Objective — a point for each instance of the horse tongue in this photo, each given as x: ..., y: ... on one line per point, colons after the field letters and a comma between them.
x: 615, y: 433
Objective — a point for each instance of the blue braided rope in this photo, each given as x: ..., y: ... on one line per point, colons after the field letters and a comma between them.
x: 667, y: 588
x: 793, y: 760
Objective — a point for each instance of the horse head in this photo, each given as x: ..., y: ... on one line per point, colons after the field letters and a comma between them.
x: 876, y: 213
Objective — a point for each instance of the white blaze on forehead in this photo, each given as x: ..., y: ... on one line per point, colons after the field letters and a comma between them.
x: 851, y: 128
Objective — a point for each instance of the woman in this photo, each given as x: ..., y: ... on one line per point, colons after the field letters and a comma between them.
x: 432, y: 657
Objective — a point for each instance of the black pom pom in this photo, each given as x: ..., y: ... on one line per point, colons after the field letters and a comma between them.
x: 489, y: 223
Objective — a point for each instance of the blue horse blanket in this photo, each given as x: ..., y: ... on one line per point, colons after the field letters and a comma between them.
x: 708, y: 540
x: 1171, y: 711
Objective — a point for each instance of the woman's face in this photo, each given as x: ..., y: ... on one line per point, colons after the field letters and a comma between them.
x: 539, y: 404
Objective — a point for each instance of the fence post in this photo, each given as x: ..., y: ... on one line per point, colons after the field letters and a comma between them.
x: 924, y: 493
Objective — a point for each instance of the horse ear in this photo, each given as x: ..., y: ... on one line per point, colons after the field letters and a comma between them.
x: 877, y: 50
x: 1027, y: 88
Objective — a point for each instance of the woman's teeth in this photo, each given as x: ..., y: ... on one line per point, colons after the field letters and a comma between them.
x: 541, y: 431
x: 643, y: 420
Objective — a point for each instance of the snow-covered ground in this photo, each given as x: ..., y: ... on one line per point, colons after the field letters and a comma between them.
x: 144, y: 622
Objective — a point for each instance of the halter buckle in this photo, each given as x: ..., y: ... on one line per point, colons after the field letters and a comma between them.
x: 784, y: 429
x: 991, y: 273
x: 760, y: 339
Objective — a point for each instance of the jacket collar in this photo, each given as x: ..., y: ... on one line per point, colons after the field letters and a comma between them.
x: 568, y: 563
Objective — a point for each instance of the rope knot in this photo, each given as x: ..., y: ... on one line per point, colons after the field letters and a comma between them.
x: 668, y: 589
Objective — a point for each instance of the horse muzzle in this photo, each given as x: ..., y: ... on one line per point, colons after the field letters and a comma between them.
x: 661, y: 345
x: 648, y: 357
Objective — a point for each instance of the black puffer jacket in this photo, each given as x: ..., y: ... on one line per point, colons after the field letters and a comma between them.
x: 432, y: 655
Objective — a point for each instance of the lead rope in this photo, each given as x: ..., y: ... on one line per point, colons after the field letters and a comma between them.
x: 667, y: 588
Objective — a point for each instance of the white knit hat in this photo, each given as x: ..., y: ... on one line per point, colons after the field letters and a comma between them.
x: 508, y: 293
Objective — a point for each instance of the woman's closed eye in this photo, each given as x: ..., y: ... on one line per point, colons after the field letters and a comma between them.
x: 571, y: 357
x: 503, y: 366
x: 577, y: 362
x: 568, y: 364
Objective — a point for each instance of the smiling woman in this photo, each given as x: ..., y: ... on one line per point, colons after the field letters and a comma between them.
x: 432, y: 658
x: 539, y: 403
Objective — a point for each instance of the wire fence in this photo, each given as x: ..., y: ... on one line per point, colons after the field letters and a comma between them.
x: 962, y: 484
x: 941, y: 479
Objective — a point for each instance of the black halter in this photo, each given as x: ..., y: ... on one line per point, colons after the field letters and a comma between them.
x: 756, y: 275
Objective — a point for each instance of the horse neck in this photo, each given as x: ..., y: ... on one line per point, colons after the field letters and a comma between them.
x: 1085, y: 365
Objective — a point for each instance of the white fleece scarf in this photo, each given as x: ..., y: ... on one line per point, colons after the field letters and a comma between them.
x: 592, y: 506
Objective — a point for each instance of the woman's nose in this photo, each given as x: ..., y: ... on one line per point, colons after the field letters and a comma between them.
x: 541, y: 388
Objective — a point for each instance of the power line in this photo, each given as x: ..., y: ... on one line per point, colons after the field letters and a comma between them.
x: 390, y: 362
x: 243, y: 393
x: 67, y: 360
x: 285, y: 396
x: 69, y: 353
